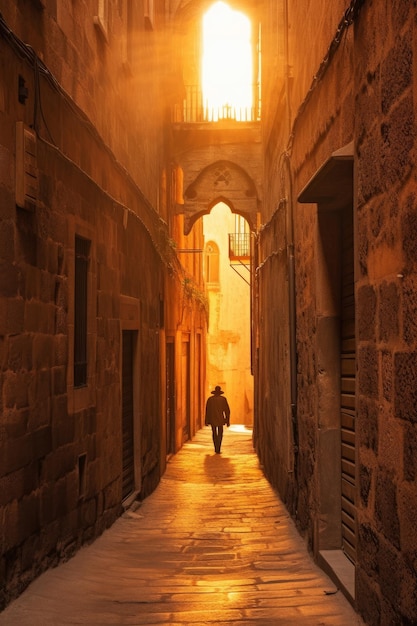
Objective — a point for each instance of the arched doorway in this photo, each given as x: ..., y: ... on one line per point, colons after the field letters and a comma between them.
x: 228, y: 291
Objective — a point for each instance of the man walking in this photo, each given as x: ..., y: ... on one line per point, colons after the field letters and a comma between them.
x: 217, y: 414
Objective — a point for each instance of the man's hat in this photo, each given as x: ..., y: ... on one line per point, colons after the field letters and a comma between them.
x: 217, y: 389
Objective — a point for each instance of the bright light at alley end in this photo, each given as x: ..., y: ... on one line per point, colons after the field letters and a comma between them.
x: 227, y: 64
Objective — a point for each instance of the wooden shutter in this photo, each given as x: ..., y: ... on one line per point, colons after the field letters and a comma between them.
x: 348, y: 400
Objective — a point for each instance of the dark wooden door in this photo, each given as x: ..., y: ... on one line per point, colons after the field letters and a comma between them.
x: 128, y: 467
x: 185, y: 387
x: 170, y: 397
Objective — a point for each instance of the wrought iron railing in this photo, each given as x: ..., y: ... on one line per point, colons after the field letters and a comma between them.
x: 194, y: 109
x: 239, y: 246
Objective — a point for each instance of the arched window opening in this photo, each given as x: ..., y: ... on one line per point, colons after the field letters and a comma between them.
x: 211, y: 258
x: 227, y: 68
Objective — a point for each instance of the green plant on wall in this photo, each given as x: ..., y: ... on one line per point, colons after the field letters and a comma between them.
x: 193, y: 294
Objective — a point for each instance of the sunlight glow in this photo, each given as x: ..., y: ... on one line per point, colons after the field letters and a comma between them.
x: 227, y: 64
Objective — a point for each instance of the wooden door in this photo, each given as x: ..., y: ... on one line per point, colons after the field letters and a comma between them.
x: 170, y: 397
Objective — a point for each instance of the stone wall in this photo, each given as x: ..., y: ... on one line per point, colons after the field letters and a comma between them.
x: 350, y: 78
x: 386, y: 302
x: 98, y: 163
x: 299, y: 137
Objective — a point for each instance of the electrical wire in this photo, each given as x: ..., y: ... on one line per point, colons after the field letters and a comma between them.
x: 347, y: 20
x: 349, y: 17
x: 28, y: 54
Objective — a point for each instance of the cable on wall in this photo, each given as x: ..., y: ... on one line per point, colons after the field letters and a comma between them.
x: 27, y: 53
x: 347, y: 20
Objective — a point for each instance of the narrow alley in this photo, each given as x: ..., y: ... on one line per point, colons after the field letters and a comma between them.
x: 198, y: 194
x: 212, y: 545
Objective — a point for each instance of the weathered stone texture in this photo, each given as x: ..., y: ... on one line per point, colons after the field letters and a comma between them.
x: 368, y: 547
x: 397, y: 71
x: 409, y: 232
x: 387, y: 375
x: 20, y: 353
x: 400, y: 13
x: 83, y: 188
x: 392, y: 576
x: 388, y: 321
x: 409, y: 456
x: 378, y: 91
x: 398, y: 136
x: 9, y: 278
x: 363, y: 249
x: 368, y: 371
x: 369, y: 601
x: 405, y: 372
x: 366, y: 307
x: 365, y: 481
x: 368, y: 423
x: 370, y: 181
x: 386, y: 511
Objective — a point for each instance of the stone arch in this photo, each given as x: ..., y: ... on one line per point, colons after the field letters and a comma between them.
x: 222, y: 181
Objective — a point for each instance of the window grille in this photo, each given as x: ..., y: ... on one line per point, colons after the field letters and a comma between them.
x: 239, y: 246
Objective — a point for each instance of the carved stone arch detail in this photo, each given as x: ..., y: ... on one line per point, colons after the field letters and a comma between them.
x: 222, y: 181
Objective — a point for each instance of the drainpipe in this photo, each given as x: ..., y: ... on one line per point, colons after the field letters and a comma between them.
x: 289, y: 214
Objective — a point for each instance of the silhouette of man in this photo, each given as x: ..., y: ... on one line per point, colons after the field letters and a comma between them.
x: 217, y: 414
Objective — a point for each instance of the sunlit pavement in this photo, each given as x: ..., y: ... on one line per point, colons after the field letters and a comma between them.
x: 212, y: 545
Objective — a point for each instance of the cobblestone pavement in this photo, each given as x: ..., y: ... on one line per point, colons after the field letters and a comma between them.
x: 212, y: 545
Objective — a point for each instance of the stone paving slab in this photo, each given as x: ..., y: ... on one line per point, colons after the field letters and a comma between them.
x: 212, y: 545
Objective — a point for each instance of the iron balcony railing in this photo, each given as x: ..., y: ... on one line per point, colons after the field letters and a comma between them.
x: 239, y: 246
x: 193, y: 110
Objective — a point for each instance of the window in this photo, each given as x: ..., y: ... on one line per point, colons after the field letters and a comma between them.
x: 227, y: 68
x: 239, y: 241
x: 212, y: 262
x: 82, y: 251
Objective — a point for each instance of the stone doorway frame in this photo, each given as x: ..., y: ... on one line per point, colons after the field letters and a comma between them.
x: 332, y: 189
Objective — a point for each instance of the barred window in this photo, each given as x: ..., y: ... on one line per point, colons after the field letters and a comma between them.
x: 82, y: 251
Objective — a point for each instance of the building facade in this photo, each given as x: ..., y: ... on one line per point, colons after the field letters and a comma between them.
x: 102, y: 329
x: 227, y: 278
x: 336, y: 426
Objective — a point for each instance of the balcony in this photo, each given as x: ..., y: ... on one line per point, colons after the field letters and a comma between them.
x: 239, y: 248
x: 240, y: 254
x: 194, y: 111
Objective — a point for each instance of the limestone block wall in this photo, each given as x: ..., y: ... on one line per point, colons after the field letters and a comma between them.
x: 60, y: 443
x: 386, y: 301
x: 363, y: 90
x: 300, y: 132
